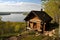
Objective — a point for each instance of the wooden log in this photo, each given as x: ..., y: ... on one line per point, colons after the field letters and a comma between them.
x: 44, y: 27
x: 29, y: 23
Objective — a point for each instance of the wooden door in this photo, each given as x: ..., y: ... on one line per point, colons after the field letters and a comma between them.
x: 34, y: 26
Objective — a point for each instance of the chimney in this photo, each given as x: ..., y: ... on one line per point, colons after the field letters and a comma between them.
x: 41, y: 9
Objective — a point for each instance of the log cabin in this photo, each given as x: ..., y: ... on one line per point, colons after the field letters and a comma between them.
x: 37, y: 20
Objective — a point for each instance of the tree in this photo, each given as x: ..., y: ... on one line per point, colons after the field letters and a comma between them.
x: 52, y: 7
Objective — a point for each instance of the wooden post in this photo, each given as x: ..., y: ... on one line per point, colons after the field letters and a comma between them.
x: 29, y: 23
x: 44, y: 27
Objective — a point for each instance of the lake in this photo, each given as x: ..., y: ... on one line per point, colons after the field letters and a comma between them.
x: 13, y: 17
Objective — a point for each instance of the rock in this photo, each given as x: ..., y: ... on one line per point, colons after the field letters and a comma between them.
x: 12, y: 38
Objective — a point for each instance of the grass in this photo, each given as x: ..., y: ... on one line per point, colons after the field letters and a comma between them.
x: 10, y: 34
x: 26, y: 35
x: 31, y: 36
x: 11, y: 28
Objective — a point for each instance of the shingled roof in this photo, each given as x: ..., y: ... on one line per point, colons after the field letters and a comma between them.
x: 41, y: 15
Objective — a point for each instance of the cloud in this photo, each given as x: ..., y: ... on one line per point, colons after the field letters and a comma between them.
x: 18, y: 6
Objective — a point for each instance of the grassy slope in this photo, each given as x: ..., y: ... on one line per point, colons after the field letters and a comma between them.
x: 42, y: 37
x: 29, y: 36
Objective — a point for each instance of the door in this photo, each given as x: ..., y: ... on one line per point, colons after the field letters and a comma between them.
x: 35, y: 26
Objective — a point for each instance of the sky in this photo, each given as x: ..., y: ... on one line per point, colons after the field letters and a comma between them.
x: 19, y: 5
x: 32, y: 1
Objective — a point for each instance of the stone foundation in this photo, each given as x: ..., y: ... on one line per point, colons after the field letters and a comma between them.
x: 50, y: 33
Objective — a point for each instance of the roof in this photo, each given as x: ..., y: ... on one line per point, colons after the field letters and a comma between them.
x: 41, y: 15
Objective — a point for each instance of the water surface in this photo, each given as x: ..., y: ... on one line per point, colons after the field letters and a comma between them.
x: 13, y: 17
